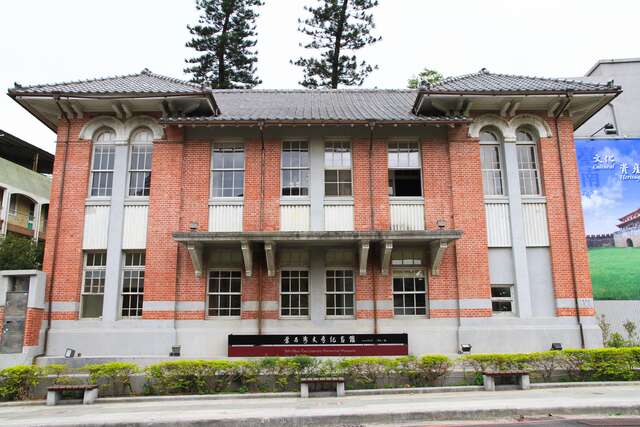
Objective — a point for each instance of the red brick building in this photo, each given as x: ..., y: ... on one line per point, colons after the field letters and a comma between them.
x: 194, y: 217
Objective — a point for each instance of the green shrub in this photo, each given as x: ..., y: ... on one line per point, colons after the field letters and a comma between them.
x: 193, y: 376
x: 17, y: 381
x: 605, y: 364
x: 545, y: 363
x: 113, y: 377
x: 426, y: 371
x: 58, y: 372
x: 495, y: 362
x: 366, y: 372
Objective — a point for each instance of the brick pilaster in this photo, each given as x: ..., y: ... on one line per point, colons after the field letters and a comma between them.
x: 471, y: 251
x: 164, y: 217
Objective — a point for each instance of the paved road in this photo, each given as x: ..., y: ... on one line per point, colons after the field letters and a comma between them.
x: 407, y: 409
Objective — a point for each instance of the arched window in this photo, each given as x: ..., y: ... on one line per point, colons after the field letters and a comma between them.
x: 528, y: 166
x: 491, y: 162
x: 140, y: 162
x: 102, y: 163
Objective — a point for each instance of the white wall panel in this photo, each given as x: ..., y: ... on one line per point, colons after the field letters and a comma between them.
x: 536, y: 230
x: 134, y: 231
x: 338, y: 217
x: 498, y: 225
x: 225, y: 217
x: 407, y: 216
x: 295, y: 217
x: 96, y: 227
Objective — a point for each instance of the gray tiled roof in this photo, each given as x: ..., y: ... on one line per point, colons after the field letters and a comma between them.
x: 317, y: 104
x: 484, y: 81
x: 144, y: 82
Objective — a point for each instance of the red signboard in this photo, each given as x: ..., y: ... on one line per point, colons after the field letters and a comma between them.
x: 318, y: 345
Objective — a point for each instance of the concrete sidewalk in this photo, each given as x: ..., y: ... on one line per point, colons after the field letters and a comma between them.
x: 332, y: 411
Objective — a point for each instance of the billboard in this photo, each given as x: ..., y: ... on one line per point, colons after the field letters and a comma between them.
x: 610, y: 188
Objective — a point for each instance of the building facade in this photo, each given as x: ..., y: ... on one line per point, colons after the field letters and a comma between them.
x: 202, y: 218
x: 24, y: 187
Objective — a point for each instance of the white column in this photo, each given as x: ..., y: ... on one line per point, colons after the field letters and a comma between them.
x: 4, y: 214
x: 110, y: 307
x: 518, y: 243
x: 36, y: 220
x: 316, y: 180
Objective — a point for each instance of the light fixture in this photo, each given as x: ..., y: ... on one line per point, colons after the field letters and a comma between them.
x: 193, y: 226
x: 175, y: 351
x: 609, y: 129
x: 465, y: 348
x: 441, y: 223
x: 556, y: 346
x: 69, y: 353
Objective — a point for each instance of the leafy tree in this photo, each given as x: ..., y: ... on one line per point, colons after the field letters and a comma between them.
x: 224, y: 37
x: 20, y: 253
x: 426, y: 75
x: 337, y: 29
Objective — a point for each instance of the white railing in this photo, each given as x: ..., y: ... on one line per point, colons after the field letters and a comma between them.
x: 96, y: 227
x: 407, y: 215
x: 225, y: 217
x: 338, y: 217
x: 534, y: 217
x: 498, y: 223
x: 295, y: 216
x: 134, y: 235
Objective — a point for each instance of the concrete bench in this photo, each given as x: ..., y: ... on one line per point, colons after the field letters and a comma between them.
x: 90, y: 393
x: 338, y: 381
x: 488, y: 378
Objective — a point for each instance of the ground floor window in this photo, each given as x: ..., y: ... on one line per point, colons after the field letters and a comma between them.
x: 92, y: 295
x: 409, y: 293
x: 340, y: 293
x: 294, y: 293
x: 502, y: 299
x: 224, y: 293
x: 133, y: 284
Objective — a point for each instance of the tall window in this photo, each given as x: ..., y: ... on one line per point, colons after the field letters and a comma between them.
x: 491, y: 163
x: 337, y: 169
x: 140, y: 163
x: 224, y: 293
x: 228, y: 170
x: 294, y: 293
x: 528, y: 163
x: 404, y: 169
x: 295, y: 168
x: 102, y: 164
x: 133, y: 284
x: 92, y: 295
x: 409, y: 292
x: 340, y: 292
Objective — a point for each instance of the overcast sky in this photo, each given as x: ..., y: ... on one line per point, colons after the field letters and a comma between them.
x: 44, y: 41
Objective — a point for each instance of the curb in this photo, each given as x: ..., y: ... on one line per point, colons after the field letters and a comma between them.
x: 361, y: 392
x: 389, y: 418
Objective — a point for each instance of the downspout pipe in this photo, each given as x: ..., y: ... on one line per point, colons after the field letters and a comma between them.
x: 372, y: 125
x: 561, y: 110
x: 57, y: 238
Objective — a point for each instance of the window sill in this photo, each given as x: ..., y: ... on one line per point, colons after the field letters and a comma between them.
x: 218, y: 201
x: 533, y: 199
x: 337, y: 200
x: 496, y: 199
x: 223, y: 318
x: 97, y: 201
x: 295, y: 200
x: 402, y: 200
x: 294, y: 318
x: 136, y: 201
x: 340, y: 317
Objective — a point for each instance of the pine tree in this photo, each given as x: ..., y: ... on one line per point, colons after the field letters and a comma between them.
x: 337, y: 28
x: 225, y: 37
x: 426, y: 75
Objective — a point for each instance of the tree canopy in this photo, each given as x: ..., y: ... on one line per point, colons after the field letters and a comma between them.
x: 338, y: 28
x: 426, y: 75
x: 20, y: 253
x: 224, y: 38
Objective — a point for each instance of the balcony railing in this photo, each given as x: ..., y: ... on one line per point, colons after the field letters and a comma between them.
x: 407, y: 214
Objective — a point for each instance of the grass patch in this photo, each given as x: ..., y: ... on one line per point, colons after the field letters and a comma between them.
x: 615, y: 273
